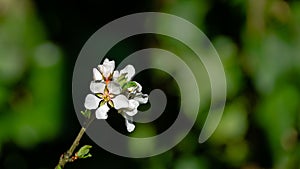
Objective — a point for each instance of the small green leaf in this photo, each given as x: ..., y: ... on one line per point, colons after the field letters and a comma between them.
x: 86, y: 113
x: 87, y: 156
x: 129, y: 84
x: 84, y: 152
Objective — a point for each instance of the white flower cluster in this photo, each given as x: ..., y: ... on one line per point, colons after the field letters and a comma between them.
x: 114, y: 89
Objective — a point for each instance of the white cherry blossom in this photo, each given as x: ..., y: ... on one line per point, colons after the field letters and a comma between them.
x: 114, y: 89
x: 102, y: 96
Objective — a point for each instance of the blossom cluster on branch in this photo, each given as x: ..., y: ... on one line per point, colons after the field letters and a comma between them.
x: 114, y: 89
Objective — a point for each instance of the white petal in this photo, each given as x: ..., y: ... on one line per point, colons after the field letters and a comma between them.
x: 141, y: 98
x: 129, y: 69
x: 130, y: 126
x: 120, y: 102
x: 109, y: 63
x: 97, y: 87
x: 101, y: 112
x: 133, y: 104
x: 132, y: 112
x: 104, y: 71
x: 116, y: 75
x: 91, y: 102
x: 139, y: 87
x: 132, y: 108
x: 114, y: 88
x: 107, y: 68
x: 96, y: 74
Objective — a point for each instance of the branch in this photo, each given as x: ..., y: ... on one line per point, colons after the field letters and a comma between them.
x: 67, y: 156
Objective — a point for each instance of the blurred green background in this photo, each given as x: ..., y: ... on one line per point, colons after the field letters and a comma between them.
x: 258, y: 42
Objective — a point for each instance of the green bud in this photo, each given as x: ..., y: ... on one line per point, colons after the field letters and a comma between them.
x: 84, y: 152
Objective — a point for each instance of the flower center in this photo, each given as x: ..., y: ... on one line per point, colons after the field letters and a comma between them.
x: 106, y: 96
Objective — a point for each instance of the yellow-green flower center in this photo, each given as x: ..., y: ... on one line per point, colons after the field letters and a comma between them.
x: 105, y: 96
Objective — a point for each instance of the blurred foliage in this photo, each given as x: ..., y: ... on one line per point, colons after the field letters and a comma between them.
x: 258, y: 42
x: 30, y: 77
x: 261, y: 62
